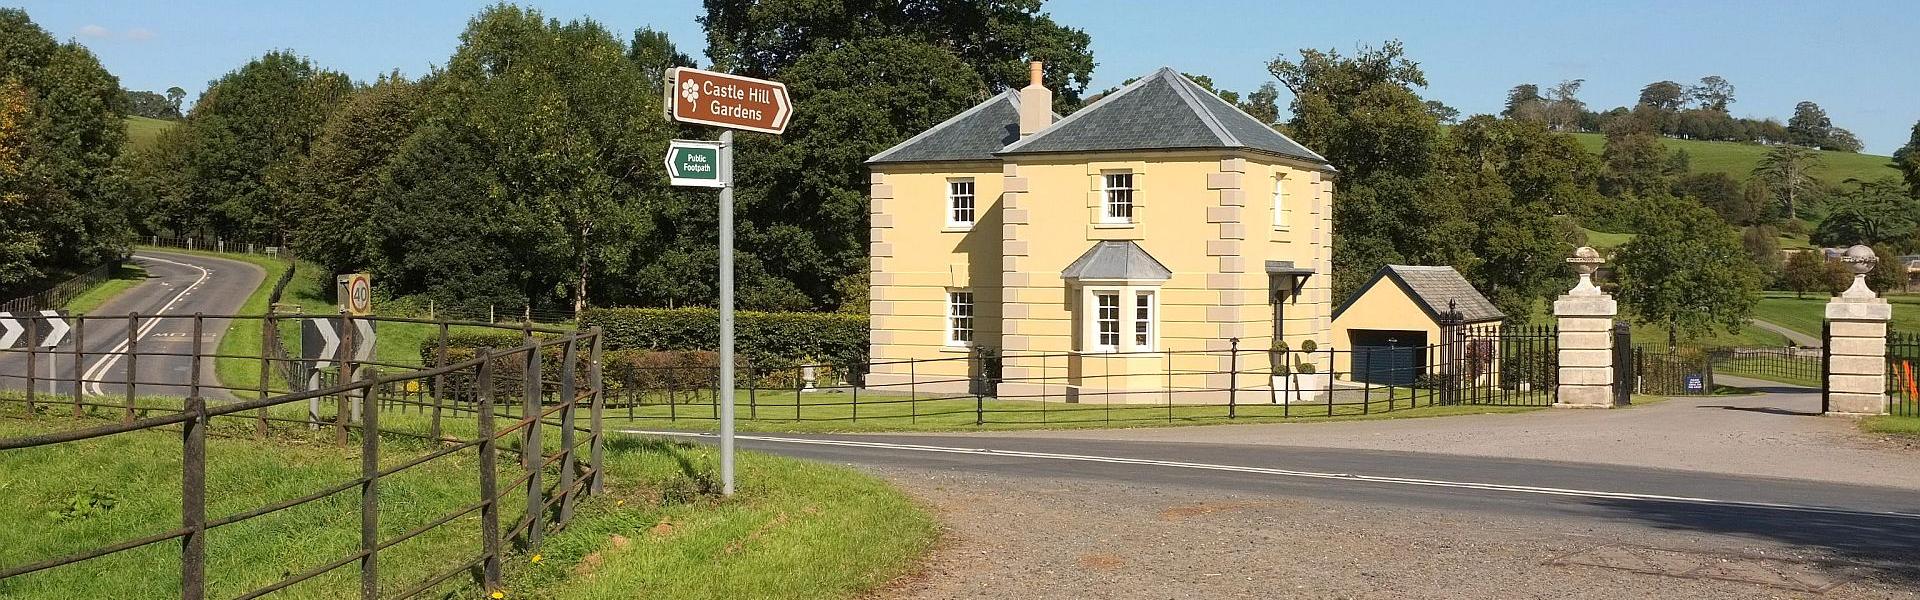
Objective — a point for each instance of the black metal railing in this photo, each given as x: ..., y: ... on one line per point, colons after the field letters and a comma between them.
x: 1790, y: 365
x: 60, y: 294
x: 1680, y: 373
x: 1485, y: 367
x: 404, y: 418
x: 1903, y: 374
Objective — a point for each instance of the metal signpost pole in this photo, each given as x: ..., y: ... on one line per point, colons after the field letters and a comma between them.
x: 729, y: 102
x: 726, y: 312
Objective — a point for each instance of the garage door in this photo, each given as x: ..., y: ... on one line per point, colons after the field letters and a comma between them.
x: 1387, y: 357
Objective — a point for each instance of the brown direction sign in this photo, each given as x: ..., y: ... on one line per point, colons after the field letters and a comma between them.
x: 730, y: 101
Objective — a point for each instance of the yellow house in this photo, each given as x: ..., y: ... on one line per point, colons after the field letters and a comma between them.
x: 1119, y: 251
x: 1391, y: 325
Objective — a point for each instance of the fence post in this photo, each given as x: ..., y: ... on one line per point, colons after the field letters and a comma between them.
x: 269, y: 330
x: 79, y: 360
x: 33, y: 348
x: 345, y: 365
x: 133, y: 363
x: 370, y: 497
x: 531, y: 451
x: 193, y: 377
x: 598, y: 452
x: 439, y: 384
x: 1233, y: 377
x: 489, y: 474
x: 193, y: 501
x: 979, y: 387
x: 753, y: 385
x: 570, y: 397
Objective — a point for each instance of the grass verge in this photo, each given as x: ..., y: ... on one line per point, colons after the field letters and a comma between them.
x: 1894, y: 425
x: 835, y: 412
x: 794, y: 530
x: 123, y: 278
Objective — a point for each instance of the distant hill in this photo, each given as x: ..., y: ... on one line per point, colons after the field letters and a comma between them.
x: 1737, y: 159
x: 142, y: 130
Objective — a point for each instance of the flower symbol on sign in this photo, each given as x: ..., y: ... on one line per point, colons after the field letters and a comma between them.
x: 690, y: 91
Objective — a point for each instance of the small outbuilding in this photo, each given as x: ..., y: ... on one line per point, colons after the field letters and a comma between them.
x: 1392, y: 322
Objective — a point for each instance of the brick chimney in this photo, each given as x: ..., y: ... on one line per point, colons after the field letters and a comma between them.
x: 1036, y: 103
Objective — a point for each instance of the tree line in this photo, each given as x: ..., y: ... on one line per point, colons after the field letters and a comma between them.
x: 527, y: 168
x: 60, y: 132
x: 1691, y: 112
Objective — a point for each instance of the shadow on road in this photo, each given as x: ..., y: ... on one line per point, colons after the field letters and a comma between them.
x: 1771, y: 410
x: 1882, y: 545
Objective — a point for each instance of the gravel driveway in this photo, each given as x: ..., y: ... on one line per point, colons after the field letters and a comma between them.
x: 1768, y: 435
x: 1020, y: 538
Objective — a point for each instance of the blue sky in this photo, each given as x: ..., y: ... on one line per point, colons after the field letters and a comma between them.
x: 1855, y: 58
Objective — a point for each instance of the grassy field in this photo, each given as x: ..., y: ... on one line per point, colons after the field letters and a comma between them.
x: 1738, y: 159
x: 142, y: 130
x: 124, y: 277
x: 1806, y: 314
x: 796, y: 529
x: 1605, y: 241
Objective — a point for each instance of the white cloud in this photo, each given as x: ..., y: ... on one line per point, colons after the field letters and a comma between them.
x: 139, y: 34
x: 94, y: 31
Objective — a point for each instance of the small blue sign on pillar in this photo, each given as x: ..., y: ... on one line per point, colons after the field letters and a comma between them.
x: 1696, y: 383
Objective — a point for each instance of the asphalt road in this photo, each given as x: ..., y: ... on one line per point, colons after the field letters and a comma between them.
x: 177, y: 287
x: 1854, y: 523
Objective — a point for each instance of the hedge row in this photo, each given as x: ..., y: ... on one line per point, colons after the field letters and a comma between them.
x: 767, y: 340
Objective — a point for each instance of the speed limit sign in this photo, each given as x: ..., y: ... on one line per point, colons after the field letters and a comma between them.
x: 356, y: 294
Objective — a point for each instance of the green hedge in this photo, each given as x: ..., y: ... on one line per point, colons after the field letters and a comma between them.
x: 768, y: 340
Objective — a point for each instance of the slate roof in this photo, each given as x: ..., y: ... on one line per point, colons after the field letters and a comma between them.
x: 1117, y: 260
x: 974, y: 134
x: 1432, y: 288
x: 1162, y: 111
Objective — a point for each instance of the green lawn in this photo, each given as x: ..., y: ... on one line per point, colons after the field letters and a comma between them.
x: 1737, y: 159
x: 1807, y: 314
x: 142, y: 130
x: 764, y: 410
x: 795, y: 529
x: 124, y: 278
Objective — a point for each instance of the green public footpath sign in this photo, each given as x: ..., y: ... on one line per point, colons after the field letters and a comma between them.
x: 695, y: 163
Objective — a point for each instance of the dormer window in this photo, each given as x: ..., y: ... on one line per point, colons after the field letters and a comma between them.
x: 960, y: 203
x: 1117, y: 197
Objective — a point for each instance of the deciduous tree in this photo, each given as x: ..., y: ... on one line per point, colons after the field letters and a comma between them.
x: 1713, y: 93
x: 1687, y: 272
x: 1805, y: 271
x: 61, y: 127
x: 1362, y: 114
x: 1664, y: 95
x: 1907, y: 159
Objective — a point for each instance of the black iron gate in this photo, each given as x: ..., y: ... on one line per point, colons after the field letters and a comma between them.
x: 1903, y: 374
x: 1624, y: 374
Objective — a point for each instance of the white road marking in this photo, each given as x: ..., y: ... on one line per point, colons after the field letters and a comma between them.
x: 1493, y: 487
x: 100, y: 367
